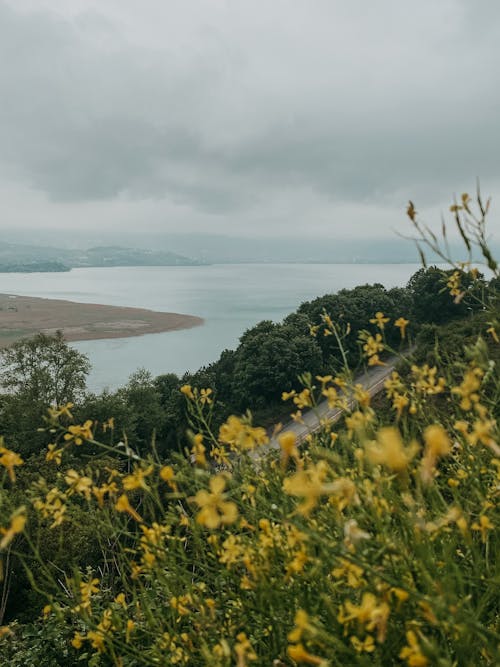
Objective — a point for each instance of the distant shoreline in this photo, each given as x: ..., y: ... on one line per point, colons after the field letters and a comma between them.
x: 24, y: 316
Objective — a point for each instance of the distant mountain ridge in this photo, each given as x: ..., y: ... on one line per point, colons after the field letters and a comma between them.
x: 29, y: 258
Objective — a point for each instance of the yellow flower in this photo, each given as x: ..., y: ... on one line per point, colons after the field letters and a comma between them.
x: 123, y: 505
x: 437, y: 441
x: 9, y: 460
x: 302, y: 625
x: 17, y: 523
x: 61, y: 410
x: 52, y: 507
x: 109, y: 424
x: 483, y: 526
x: 78, y: 484
x: 243, y: 650
x: 187, y: 390
x: 380, y: 320
x: 198, y: 451
x: 401, y: 323
x: 373, y: 345
x: 332, y: 397
x: 298, y: 653
x: 375, y: 360
x: 136, y: 479
x: 365, y: 646
x: 390, y: 450
x: 426, y: 381
x: 492, y: 331
x: 205, y: 396
x: 468, y: 389
x: 167, y: 474
x: 308, y: 484
x: 78, y: 434
x: 303, y: 399
x: 437, y: 445
x: 399, y: 403
x: 288, y: 443
x: 215, y: 510
x: 54, y: 454
x: 412, y: 653
x: 240, y: 435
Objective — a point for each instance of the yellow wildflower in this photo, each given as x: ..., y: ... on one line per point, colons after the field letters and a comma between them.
x: 136, y: 479
x: 483, y: 526
x: 54, y: 454
x: 468, y: 389
x: 492, y: 331
x: 243, y: 649
x: 380, y: 320
x: 205, y: 396
x: 389, y: 450
x: 167, y: 474
x: 198, y: 450
x: 308, y: 484
x: 52, y: 507
x: 240, y: 435
x: 17, y: 523
x: 303, y: 399
x: 399, y: 403
x: 401, y: 323
x: 426, y: 381
x: 187, y: 390
x: 123, y: 505
x: 437, y: 445
x: 9, y: 460
x: 215, y: 509
x: 79, y: 484
x: 78, y: 434
x: 61, y: 411
x: 298, y: 654
x: 288, y: 443
x: 413, y: 653
x: 365, y: 646
x: 332, y: 397
x: 370, y: 614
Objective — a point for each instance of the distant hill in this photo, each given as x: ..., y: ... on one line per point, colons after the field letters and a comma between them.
x: 30, y: 258
x: 117, y: 256
x: 42, y: 266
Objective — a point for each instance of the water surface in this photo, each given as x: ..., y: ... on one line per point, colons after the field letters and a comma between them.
x: 230, y: 297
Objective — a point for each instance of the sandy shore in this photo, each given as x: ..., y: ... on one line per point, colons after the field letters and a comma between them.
x: 24, y: 316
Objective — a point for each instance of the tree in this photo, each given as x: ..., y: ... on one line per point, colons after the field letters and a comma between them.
x: 432, y: 302
x: 34, y: 374
x: 44, y: 369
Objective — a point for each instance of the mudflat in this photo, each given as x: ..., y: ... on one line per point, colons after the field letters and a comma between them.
x: 24, y: 316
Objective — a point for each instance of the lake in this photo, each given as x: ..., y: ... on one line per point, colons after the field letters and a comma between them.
x: 230, y: 297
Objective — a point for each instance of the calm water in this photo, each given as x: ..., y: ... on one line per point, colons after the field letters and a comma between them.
x: 230, y: 297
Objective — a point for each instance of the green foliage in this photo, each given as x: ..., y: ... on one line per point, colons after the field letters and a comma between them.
x: 44, y: 369
x: 430, y: 296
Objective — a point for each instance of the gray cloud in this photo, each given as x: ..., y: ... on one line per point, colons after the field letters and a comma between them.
x: 264, y: 113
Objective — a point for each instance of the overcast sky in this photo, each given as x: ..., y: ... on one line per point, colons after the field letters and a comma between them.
x: 245, y: 117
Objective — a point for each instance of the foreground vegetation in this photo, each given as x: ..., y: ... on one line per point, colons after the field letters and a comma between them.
x: 373, y: 542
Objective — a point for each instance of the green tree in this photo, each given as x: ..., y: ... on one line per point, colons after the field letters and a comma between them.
x: 44, y: 369
x: 34, y: 374
x: 431, y: 299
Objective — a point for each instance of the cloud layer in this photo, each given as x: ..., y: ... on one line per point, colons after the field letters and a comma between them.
x: 249, y: 118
